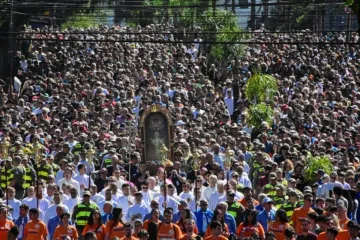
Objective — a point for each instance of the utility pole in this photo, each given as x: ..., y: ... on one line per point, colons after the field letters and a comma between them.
x: 11, y: 46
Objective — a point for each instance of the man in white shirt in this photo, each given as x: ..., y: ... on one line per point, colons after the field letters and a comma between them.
x: 218, y: 196
x: 138, y: 210
x: 186, y: 194
x: 229, y: 102
x: 170, y: 202
x: 193, y: 52
x: 153, y: 187
x: 95, y: 196
x: 13, y: 202
x: 82, y: 178
x: 90, y: 167
x: 119, y: 180
x: 108, y: 198
x: 147, y: 195
x: 39, y: 201
x: 211, y: 188
x: 68, y: 180
x: 51, y: 211
x: 73, y: 200
x: 125, y: 201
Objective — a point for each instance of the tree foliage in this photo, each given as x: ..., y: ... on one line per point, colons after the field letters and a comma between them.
x: 259, y: 113
x: 316, y: 163
x: 261, y: 88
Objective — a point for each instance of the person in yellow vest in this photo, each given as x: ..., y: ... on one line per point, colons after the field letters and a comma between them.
x: 30, y: 174
x: 6, y: 173
x: 81, y: 211
x: 290, y: 205
x: 80, y: 145
x: 280, y: 198
x: 235, y: 208
x: 17, y: 180
x: 269, y: 188
x: 44, y: 169
x: 50, y: 160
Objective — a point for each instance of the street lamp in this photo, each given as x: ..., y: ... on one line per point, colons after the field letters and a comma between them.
x: 164, y: 154
x: 229, y: 154
x: 195, y: 166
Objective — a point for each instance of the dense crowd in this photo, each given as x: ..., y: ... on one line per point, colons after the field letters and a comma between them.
x: 81, y: 89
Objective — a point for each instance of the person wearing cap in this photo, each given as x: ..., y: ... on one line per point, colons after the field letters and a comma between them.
x: 6, y: 174
x: 50, y: 160
x: 44, y: 169
x: 17, y: 180
x: 79, y: 146
x: 82, y: 210
x: 107, y: 159
x: 182, y: 204
x: 280, y: 198
x: 267, y: 215
x: 65, y: 153
x: 5, y: 224
x: 138, y: 210
x: 305, y: 231
x: 235, y: 209
x: 270, y: 188
x: 29, y: 178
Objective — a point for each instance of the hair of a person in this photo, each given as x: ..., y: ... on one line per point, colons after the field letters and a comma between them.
x: 143, y: 233
x: 116, y: 216
x: 333, y: 231
x: 253, y: 213
x: 282, y: 216
x: 289, y: 232
x: 215, y: 224
x: 90, y: 236
x: 13, y: 233
x: 24, y: 206
x: 214, y: 219
x: 34, y: 211
x: 90, y: 221
x: 168, y: 210
x: 127, y: 224
x: 65, y: 214
x: 80, y: 166
x: 125, y: 185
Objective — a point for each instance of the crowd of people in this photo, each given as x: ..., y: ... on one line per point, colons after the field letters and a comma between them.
x: 81, y: 90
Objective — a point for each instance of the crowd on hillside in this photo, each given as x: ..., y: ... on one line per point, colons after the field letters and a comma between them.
x: 81, y: 89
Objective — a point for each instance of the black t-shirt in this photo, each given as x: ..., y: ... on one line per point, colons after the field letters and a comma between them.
x: 309, y: 236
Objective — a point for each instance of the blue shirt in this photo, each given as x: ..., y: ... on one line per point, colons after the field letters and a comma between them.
x: 199, y: 214
x: 265, y: 217
x: 177, y: 216
x: 106, y: 217
x: 21, y: 222
x: 230, y: 221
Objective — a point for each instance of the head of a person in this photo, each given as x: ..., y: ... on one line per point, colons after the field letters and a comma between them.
x: 60, y: 210
x: 308, y: 200
x: 250, y: 217
x: 354, y: 229
x: 289, y: 233
x: 86, y: 197
x: 94, y: 217
x: 108, y: 207
x: 280, y: 216
x: 305, y: 225
x: 138, y: 225
x: 23, y: 210
x: 203, y: 205
x: 65, y: 218
x: 33, y: 214
x: 216, y: 228
x: 13, y: 233
x: 3, y: 212
x: 143, y: 235
x: 189, y: 225
x: 117, y: 214
x: 138, y: 197
x: 267, y: 203
x: 90, y: 236
x: 331, y: 233
x: 168, y: 214
x: 127, y: 229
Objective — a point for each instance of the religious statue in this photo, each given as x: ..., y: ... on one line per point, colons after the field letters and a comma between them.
x: 157, y: 142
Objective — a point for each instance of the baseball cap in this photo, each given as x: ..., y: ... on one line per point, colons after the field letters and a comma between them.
x: 267, y: 200
x: 86, y: 193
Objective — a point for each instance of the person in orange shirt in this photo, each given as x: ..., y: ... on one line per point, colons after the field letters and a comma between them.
x: 65, y: 229
x: 138, y: 225
x: 279, y: 225
x: 94, y: 224
x: 128, y: 232
x: 115, y: 227
x: 343, y: 219
x: 301, y: 213
x: 189, y: 230
x: 216, y: 231
x: 333, y: 222
x: 250, y: 226
x: 155, y: 214
x: 167, y: 229
x: 35, y: 229
x: 248, y: 198
x: 5, y: 224
x: 218, y: 216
